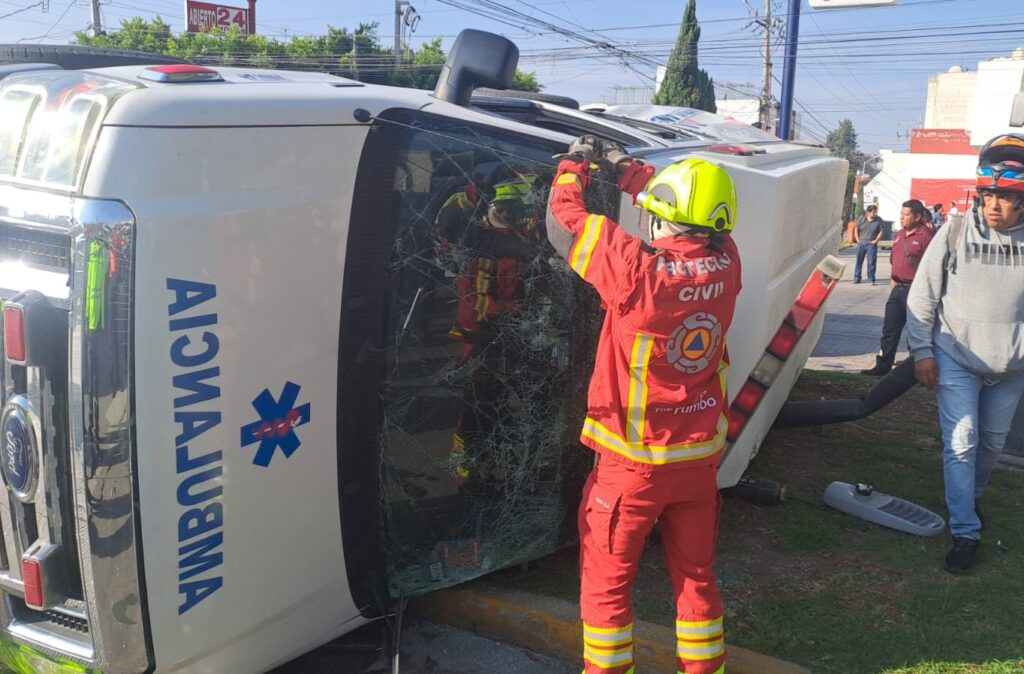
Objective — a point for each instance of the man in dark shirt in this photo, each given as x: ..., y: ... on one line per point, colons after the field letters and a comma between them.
x: 867, y: 234
x: 908, y: 247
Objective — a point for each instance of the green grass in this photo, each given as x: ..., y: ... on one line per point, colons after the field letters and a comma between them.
x: 811, y: 585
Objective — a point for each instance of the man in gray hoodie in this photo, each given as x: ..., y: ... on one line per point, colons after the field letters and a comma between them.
x: 965, y: 327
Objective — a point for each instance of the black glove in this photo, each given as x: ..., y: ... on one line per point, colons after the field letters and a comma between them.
x: 613, y: 156
x: 584, y: 147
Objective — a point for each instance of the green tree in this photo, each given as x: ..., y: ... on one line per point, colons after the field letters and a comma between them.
x: 356, y: 54
x: 525, y: 82
x: 842, y: 142
x: 685, y: 84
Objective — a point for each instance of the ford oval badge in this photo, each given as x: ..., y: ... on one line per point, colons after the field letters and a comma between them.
x: 18, y: 450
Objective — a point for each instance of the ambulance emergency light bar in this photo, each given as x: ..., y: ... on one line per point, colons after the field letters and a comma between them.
x: 805, y: 309
x: 835, y: 4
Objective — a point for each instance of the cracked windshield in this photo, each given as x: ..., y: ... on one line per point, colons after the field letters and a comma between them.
x: 492, y: 336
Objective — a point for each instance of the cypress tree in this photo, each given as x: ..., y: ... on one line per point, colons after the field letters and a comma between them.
x: 685, y: 84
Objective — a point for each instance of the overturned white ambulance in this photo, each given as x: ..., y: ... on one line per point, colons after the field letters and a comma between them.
x: 262, y: 375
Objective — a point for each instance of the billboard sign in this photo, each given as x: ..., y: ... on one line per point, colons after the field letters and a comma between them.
x: 203, y: 16
x: 834, y: 4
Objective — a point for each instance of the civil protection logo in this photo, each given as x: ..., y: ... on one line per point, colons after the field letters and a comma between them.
x: 18, y: 450
x: 276, y: 427
x: 692, y: 344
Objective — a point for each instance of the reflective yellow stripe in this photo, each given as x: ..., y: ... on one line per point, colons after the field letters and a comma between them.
x: 607, y: 636
x: 483, y: 287
x: 702, y: 629
x: 723, y: 378
x: 637, y: 407
x: 704, y: 651
x: 654, y: 454
x: 567, y: 179
x: 583, y: 249
x: 609, y: 658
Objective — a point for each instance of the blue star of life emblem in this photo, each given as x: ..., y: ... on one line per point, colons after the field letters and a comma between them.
x: 276, y: 427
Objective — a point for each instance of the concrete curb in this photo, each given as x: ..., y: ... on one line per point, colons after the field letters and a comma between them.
x: 552, y: 627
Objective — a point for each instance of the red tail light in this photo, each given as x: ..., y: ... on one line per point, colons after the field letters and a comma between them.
x: 32, y: 577
x: 14, y: 334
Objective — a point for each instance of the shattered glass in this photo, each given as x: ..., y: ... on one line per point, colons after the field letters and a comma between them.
x: 491, y: 340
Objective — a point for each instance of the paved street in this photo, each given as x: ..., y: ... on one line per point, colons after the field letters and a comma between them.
x: 853, y: 320
x: 427, y: 648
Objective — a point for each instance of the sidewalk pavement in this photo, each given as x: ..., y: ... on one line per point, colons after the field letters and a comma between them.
x: 853, y: 320
x: 552, y: 627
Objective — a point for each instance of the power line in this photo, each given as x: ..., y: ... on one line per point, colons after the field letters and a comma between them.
x: 25, y: 9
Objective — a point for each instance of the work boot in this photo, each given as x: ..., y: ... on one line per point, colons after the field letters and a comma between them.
x: 881, y: 367
x: 961, y: 558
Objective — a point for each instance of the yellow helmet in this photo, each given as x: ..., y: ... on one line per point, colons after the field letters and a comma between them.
x: 690, y: 194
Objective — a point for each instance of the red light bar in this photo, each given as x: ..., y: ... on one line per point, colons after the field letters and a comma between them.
x: 180, y: 73
x: 740, y: 150
x: 32, y: 577
x: 749, y: 396
x: 784, y: 341
x: 14, y: 334
x: 737, y: 422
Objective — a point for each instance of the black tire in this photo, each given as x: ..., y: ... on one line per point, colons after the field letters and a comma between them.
x: 563, y: 101
x: 76, y: 57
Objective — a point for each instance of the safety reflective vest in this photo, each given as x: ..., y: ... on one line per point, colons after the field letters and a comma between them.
x: 658, y: 391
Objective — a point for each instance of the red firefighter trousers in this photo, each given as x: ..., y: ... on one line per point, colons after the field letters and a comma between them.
x: 620, y: 505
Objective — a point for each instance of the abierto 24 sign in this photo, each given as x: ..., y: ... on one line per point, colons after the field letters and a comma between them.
x: 836, y: 4
x: 203, y: 16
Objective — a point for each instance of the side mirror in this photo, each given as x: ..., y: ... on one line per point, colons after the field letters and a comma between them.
x: 1017, y: 112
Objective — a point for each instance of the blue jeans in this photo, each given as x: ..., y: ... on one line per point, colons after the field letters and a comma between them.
x: 871, y: 251
x: 975, y: 415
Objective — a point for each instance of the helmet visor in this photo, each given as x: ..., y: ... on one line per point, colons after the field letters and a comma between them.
x: 1008, y: 175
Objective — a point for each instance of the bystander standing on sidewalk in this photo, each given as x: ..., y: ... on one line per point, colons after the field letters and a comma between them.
x: 908, y: 247
x: 966, y: 318
x: 866, y: 234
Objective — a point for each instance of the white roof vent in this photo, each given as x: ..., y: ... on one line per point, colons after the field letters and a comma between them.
x: 1018, y: 54
x: 956, y: 69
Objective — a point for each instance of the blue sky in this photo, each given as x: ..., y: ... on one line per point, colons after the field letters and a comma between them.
x: 868, y: 65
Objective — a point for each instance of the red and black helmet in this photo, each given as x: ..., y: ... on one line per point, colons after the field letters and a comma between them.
x: 1001, y: 164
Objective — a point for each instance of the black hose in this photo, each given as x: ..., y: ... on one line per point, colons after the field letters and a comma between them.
x: 820, y: 412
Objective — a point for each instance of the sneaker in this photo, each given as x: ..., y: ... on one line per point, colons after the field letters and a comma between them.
x: 856, y: 280
x: 961, y: 558
x: 872, y: 283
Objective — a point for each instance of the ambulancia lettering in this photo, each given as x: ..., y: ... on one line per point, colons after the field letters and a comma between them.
x: 200, y: 524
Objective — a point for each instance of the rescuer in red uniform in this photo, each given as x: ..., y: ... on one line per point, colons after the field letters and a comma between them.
x: 657, y: 404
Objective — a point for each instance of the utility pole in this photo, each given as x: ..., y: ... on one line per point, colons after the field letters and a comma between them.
x: 404, y: 13
x: 771, y: 25
x: 398, y: 31
x: 766, y: 85
x: 97, y: 20
x: 789, y: 71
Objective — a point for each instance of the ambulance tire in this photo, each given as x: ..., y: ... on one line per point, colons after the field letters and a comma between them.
x: 563, y: 101
x: 77, y: 57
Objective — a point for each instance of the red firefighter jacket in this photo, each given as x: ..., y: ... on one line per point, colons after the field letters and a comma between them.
x: 491, y: 281
x: 658, y: 391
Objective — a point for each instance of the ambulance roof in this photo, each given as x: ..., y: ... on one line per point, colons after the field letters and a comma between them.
x: 251, y: 97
